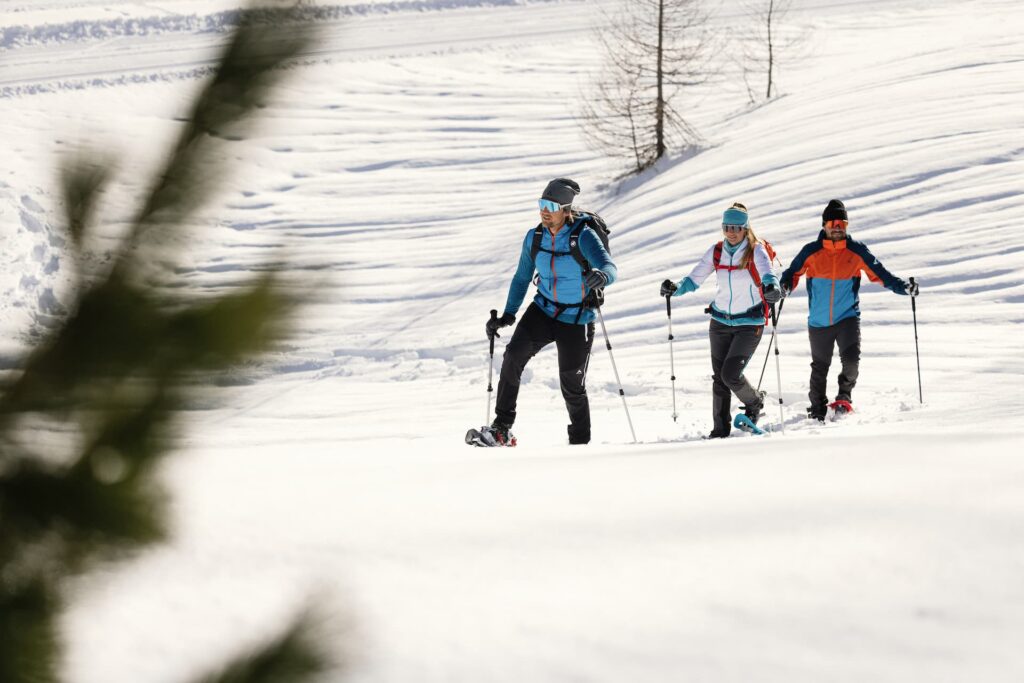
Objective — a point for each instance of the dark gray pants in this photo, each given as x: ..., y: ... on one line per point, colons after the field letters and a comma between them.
x: 731, y: 349
x: 535, y: 331
x: 846, y: 335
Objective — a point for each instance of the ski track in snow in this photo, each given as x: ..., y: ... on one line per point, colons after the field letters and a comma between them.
x: 395, y: 175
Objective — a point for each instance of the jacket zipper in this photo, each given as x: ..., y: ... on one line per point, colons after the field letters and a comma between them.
x: 832, y: 299
x: 554, y: 273
x: 732, y: 263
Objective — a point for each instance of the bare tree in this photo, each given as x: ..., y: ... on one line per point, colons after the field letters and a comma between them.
x: 654, y: 50
x: 762, y: 52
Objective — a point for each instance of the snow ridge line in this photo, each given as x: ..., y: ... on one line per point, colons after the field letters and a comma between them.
x: 7, y: 92
x: 85, y: 29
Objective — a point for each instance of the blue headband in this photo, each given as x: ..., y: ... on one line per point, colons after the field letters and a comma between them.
x: 734, y: 217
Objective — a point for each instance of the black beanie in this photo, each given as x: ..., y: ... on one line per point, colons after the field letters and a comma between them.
x: 835, y: 211
x: 561, y: 190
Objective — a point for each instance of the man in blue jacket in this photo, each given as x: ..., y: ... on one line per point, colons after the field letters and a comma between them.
x: 562, y: 310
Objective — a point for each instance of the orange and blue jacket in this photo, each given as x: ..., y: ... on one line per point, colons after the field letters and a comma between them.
x: 833, y: 272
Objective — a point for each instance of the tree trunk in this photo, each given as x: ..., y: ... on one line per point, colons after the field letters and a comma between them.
x: 659, y: 110
x: 771, y: 55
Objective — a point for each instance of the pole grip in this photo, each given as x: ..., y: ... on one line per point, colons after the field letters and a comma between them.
x: 668, y: 305
x: 494, y: 316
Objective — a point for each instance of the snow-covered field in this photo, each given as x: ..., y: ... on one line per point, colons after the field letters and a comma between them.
x: 399, y: 171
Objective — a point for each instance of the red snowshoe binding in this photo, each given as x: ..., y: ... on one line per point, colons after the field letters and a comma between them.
x: 839, y: 409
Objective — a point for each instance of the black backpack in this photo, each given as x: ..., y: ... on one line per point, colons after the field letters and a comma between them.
x: 586, y: 220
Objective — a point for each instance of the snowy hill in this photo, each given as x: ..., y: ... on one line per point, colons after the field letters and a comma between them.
x: 399, y: 172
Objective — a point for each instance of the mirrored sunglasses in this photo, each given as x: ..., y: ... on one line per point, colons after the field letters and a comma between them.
x: 729, y: 227
x: 548, y: 205
x: 836, y: 224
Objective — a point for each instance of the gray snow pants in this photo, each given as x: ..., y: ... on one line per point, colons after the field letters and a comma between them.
x: 731, y: 349
x: 846, y: 335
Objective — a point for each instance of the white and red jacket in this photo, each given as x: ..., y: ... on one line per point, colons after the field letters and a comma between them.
x: 738, y: 300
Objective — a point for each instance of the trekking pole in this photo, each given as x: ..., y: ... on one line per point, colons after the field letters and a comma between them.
x: 917, y: 351
x: 608, y: 345
x: 772, y: 341
x: 490, y: 373
x: 778, y: 372
x: 671, y: 354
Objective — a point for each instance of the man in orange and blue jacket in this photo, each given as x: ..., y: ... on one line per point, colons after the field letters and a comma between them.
x: 833, y: 264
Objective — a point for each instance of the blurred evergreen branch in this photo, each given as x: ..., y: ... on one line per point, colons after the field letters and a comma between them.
x: 114, y: 377
x: 292, y: 656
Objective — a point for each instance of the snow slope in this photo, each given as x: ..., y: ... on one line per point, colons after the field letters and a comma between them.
x: 399, y: 172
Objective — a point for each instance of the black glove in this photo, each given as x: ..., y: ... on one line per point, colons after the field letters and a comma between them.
x: 786, y: 286
x: 900, y: 287
x: 595, y: 279
x: 493, y: 324
x: 772, y: 294
x: 668, y: 288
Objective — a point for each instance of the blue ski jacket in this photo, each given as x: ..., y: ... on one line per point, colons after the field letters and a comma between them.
x: 559, y: 277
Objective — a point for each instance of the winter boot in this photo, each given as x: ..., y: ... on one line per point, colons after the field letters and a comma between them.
x: 718, y: 434
x: 754, y: 412
x: 577, y: 437
x: 499, y: 431
x: 817, y: 413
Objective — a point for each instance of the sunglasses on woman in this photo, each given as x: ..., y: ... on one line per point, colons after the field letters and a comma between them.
x: 728, y: 227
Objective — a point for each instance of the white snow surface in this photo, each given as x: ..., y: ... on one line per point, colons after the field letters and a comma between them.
x: 396, y: 174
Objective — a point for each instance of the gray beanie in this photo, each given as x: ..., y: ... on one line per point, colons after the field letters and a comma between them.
x: 561, y: 190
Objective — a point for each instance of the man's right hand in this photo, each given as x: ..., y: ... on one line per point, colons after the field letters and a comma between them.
x: 494, y: 324
x: 668, y: 288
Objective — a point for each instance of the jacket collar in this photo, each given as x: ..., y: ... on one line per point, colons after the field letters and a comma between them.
x: 568, y: 226
x: 828, y: 244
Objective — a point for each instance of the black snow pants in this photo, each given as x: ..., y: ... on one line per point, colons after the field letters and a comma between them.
x: 731, y: 349
x: 535, y: 331
x: 846, y: 335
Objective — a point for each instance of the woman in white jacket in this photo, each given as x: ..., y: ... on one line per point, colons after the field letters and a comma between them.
x: 746, y: 282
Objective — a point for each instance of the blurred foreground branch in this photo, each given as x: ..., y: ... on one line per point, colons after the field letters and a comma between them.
x: 94, y: 410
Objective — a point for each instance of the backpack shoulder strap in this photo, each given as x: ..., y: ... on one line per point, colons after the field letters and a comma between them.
x: 574, y: 244
x: 716, y: 256
x: 768, y: 249
x: 538, y: 234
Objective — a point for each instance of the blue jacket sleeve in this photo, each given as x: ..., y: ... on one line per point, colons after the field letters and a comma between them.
x: 874, y: 268
x: 597, y: 256
x: 686, y: 286
x: 521, y: 280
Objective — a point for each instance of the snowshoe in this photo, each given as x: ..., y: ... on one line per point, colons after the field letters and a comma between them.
x: 491, y: 437
x: 839, y: 409
x: 741, y: 421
